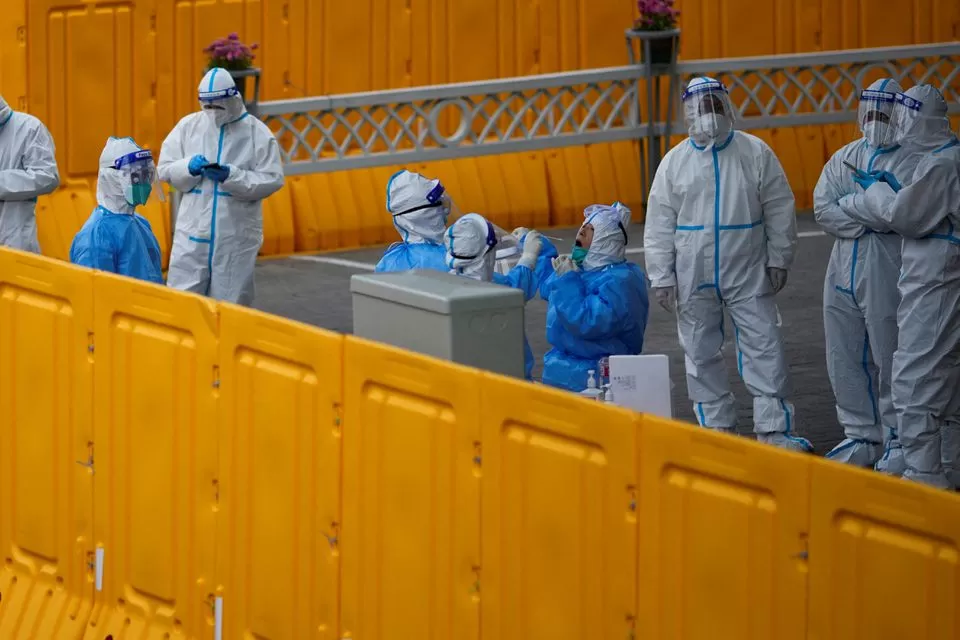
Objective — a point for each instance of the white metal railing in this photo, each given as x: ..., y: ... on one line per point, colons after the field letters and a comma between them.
x: 331, y: 133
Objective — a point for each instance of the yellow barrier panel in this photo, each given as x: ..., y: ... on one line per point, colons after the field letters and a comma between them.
x: 558, y: 536
x: 449, y: 503
x: 46, y: 483
x: 155, y: 433
x: 884, y: 558
x: 59, y: 216
x: 723, y: 526
x: 410, y: 496
x: 279, y: 436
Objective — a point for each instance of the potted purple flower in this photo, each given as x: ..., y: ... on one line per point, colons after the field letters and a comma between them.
x: 657, y: 29
x: 236, y: 57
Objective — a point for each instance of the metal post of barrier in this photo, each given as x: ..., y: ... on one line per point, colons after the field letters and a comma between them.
x: 652, y: 46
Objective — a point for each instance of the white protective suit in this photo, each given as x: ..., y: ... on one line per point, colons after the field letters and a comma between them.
x: 219, y: 227
x: 926, y: 212
x: 860, y: 295
x: 28, y: 169
x: 720, y: 226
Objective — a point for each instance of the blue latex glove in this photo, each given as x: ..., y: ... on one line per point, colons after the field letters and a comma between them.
x: 217, y: 175
x: 195, y: 166
x: 864, y: 179
x: 890, y: 179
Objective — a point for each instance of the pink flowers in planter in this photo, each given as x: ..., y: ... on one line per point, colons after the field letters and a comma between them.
x: 656, y: 15
x: 230, y: 54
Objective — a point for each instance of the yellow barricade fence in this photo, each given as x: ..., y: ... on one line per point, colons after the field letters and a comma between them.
x: 172, y: 467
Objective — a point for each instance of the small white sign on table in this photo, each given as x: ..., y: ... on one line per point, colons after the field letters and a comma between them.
x: 642, y: 383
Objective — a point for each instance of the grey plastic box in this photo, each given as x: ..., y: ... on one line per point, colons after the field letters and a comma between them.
x: 451, y: 317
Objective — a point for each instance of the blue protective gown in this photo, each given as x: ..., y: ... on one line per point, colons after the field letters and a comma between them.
x: 403, y: 256
x: 591, y: 315
x: 521, y: 277
x: 121, y: 243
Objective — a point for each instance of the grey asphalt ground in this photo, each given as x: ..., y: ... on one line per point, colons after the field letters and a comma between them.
x: 316, y: 290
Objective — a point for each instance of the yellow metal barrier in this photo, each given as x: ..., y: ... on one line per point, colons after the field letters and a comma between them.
x: 279, y: 433
x: 168, y: 463
x: 411, y: 501
x: 558, y: 527
x: 46, y: 436
x: 155, y: 457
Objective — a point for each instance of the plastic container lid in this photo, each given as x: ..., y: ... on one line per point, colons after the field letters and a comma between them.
x: 435, y: 291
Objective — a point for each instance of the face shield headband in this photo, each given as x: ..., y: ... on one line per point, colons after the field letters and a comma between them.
x: 216, y: 96
x: 907, y: 102
x: 712, y: 86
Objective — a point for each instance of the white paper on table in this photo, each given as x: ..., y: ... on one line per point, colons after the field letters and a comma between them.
x: 642, y: 383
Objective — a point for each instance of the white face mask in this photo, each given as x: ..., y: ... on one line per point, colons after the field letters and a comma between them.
x: 876, y: 133
x: 712, y: 127
x: 708, y: 125
x: 220, y: 117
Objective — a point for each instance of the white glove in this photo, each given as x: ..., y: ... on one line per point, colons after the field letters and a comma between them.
x: 666, y: 298
x: 519, y: 232
x: 531, y: 249
x: 563, y: 265
x: 778, y: 278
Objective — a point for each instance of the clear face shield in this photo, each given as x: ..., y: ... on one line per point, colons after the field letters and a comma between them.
x: 875, y: 115
x: 708, y: 113
x: 139, y: 178
x: 222, y: 106
x: 919, y: 121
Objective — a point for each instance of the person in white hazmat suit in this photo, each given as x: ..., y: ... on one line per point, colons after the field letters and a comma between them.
x: 28, y: 169
x: 420, y: 208
x: 471, y: 252
x: 925, y: 210
x: 860, y: 295
x: 720, y: 235
x: 225, y: 163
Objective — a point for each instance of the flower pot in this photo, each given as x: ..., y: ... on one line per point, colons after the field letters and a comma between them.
x: 662, y: 45
x: 661, y: 50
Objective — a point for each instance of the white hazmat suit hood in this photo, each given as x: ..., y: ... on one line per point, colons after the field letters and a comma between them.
x: 875, y: 113
x: 219, y: 97
x: 28, y: 169
x: 5, y: 112
x: 707, y: 112
x: 920, y: 120
x: 114, y: 187
x: 224, y: 163
x: 470, y: 242
x: 609, y: 245
x: 420, y: 207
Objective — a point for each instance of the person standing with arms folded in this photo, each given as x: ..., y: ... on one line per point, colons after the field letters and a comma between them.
x: 860, y: 295
x: 926, y: 212
x: 28, y: 169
